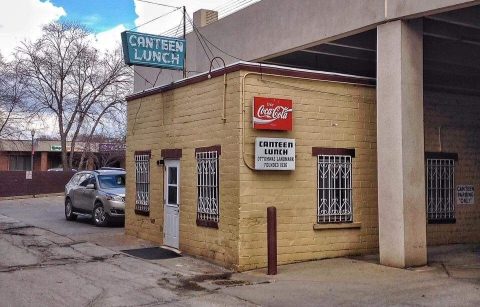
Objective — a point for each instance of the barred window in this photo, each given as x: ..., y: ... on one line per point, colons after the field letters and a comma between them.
x: 440, y: 190
x: 207, y: 186
x: 334, y: 189
x: 142, y: 182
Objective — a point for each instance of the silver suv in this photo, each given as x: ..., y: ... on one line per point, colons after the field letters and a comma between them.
x: 100, y: 194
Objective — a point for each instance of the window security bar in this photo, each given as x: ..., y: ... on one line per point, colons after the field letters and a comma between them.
x: 142, y: 181
x: 207, y: 186
x: 334, y: 189
x: 440, y: 189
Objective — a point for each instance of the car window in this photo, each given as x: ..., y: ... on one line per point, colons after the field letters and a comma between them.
x: 111, y: 181
x: 75, y: 179
x: 86, y: 180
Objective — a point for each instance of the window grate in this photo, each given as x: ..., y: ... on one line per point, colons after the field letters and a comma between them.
x: 142, y: 182
x: 207, y: 186
x: 334, y: 189
x: 440, y: 189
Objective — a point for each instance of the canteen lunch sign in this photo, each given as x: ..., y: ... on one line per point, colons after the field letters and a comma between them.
x: 274, y: 154
x: 153, y: 50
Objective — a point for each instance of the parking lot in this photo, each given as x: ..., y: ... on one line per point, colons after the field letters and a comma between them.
x: 48, y: 213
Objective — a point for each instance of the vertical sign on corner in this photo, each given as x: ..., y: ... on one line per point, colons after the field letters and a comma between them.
x: 272, y: 114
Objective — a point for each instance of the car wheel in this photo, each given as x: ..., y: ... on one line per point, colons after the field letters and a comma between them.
x: 69, y: 215
x: 99, y: 216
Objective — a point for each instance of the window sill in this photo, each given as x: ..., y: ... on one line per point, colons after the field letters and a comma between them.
x: 337, y: 226
x: 208, y: 224
x: 140, y: 212
x: 442, y: 221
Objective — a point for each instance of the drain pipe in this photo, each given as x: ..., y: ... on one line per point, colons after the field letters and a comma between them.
x: 224, y: 102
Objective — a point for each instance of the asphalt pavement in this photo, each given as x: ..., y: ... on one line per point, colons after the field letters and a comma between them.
x: 47, y: 261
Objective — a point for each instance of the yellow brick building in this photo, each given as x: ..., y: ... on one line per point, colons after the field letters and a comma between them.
x: 192, y: 143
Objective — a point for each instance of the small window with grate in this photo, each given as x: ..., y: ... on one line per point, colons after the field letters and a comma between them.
x: 334, y: 189
x: 142, y: 182
x: 208, y: 211
x: 440, y: 190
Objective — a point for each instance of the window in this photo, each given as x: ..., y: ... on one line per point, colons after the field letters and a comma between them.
x: 334, y: 189
x: 207, y: 187
x: 440, y: 190
x: 87, y: 179
x: 20, y: 163
x: 142, y: 182
x: 111, y: 181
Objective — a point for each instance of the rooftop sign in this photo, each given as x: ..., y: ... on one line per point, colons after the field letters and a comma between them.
x: 153, y: 50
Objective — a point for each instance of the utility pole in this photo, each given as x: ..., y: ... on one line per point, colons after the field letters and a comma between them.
x: 33, y: 150
x: 184, y: 37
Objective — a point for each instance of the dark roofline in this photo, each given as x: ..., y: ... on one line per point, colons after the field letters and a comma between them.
x: 259, y: 68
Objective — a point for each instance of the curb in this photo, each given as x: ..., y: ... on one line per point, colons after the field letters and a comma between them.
x: 30, y: 196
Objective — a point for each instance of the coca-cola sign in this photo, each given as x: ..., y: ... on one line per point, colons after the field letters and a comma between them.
x: 272, y: 114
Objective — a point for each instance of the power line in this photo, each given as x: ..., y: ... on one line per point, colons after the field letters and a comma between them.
x: 205, y: 39
x: 152, y: 20
x: 160, y: 4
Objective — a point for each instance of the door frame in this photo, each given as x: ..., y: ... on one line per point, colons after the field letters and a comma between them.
x: 171, y: 163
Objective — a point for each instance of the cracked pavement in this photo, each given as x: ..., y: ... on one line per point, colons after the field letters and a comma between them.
x: 46, y: 261
x: 41, y: 268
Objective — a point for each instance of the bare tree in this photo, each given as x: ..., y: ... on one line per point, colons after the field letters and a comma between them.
x: 73, y: 81
x: 12, y: 91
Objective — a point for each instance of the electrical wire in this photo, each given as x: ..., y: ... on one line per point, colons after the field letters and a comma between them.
x: 154, y: 19
x: 160, y: 4
x: 214, y: 46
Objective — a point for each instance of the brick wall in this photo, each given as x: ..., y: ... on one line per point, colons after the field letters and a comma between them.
x: 325, y: 115
x: 188, y: 118
x: 458, y: 119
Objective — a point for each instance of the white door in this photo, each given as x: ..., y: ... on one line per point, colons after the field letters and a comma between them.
x: 171, y: 203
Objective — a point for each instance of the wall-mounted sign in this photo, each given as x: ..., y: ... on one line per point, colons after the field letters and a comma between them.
x: 153, y: 50
x: 55, y: 148
x: 28, y: 175
x: 274, y: 154
x: 272, y: 114
x: 465, y: 195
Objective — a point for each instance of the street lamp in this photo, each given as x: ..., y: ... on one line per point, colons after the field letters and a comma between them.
x: 33, y: 150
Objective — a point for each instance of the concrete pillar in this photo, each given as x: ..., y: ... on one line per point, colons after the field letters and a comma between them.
x: 401, y: 165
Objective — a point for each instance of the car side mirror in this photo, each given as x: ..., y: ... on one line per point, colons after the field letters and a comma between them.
x: 90, y: 186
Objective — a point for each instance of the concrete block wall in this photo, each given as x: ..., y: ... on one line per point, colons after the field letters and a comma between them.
x: 457, y: 116
x: 325, y: 115
x: 187, y: 118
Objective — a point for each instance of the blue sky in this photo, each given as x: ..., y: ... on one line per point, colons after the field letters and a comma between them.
x: 99, y: 15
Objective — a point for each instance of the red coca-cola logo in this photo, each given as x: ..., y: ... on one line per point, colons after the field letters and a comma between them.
x: 272, y: 114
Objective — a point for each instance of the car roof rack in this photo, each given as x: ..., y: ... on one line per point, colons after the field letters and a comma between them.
x: 111, y: 169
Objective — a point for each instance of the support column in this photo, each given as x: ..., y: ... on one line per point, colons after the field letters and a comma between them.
x: 400, y: 144
x: 44, y: 161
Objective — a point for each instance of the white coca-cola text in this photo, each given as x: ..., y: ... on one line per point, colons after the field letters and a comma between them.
x: 278, y: 112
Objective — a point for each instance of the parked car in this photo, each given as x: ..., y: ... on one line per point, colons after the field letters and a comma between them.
x: 99, y: 193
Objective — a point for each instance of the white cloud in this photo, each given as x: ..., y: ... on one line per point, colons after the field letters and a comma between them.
x: 110, y: 39
x: 20, y: 20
